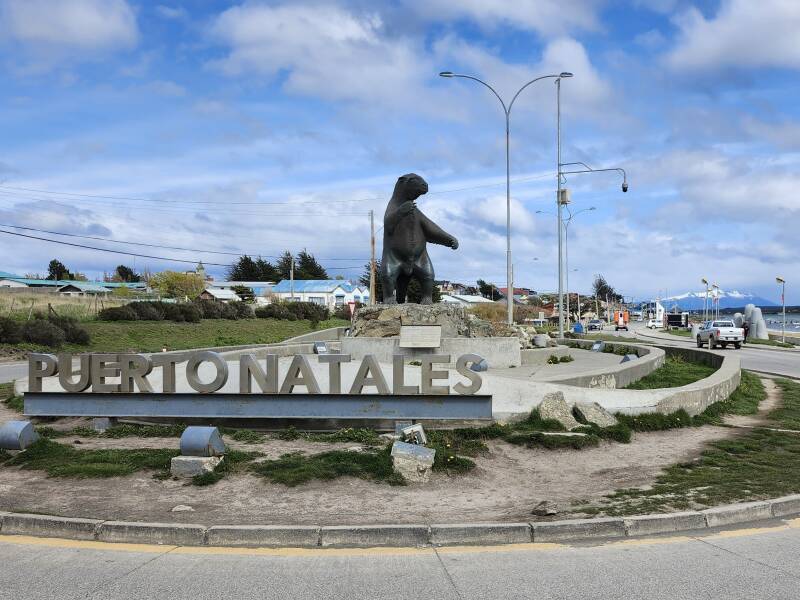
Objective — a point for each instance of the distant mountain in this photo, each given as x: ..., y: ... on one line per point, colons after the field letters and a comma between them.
x: 728, y: 299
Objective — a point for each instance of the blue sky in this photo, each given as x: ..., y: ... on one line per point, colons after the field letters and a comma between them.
x: 261, y: 126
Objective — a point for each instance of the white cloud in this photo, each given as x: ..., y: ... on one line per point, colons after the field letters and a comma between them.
x: 546, y: 17
x: 69, y: 24
x: 170, y: 12
x: 743, y: 34
x: 325, y: 51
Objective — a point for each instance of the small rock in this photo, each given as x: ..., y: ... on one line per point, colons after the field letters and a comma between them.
x: 546, y: 508
x: 189, y: 466
x: 594, y: 413
x: 182, y: 508
x: 390, y: 437
x: 553, y: 406
x: 355, y: 449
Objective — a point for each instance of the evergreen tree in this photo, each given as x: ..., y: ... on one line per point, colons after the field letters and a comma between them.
x: 308, y: 267
x: 126, y: 274
x: 244, y: 269
x: 266, y: 271
x: 57, y: 270
x: 284, y: 265
x: 487, y: 290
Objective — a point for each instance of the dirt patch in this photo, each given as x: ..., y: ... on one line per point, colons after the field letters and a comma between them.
x: 770, y: 403
x: 505, y: 486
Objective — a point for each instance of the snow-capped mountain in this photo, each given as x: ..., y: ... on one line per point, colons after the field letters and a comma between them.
x: 727, y: 299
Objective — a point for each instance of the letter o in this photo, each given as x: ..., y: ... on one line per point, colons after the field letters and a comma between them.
x: 193, y: 365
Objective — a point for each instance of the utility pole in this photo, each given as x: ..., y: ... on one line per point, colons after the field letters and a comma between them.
x: 372, y: 257
x: 291, y: 281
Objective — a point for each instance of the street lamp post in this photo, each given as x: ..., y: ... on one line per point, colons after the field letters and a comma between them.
x: 562, y: 202
x: 704, y: 281
x: 716, y: 300
x: 507, y: 111
x: 782, y: 281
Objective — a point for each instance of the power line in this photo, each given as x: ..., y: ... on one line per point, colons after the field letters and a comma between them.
x: 102, y: 239
x: 180, y: 260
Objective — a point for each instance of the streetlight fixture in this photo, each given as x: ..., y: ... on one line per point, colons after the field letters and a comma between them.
x: 562, y: 201
x: 782, y: 281
x: 507, y: 111
x: 704, y: 281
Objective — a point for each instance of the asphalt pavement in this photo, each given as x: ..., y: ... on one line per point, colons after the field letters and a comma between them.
x: 11, y: 371
x: 741, y: 564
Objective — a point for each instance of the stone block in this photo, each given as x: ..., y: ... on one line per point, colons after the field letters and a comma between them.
x: 737, y: 513
x: 202, y: 441
x: 666, y: 523
x: 480, y: 533
x: 412, y: 461
x: 541, y: 340
x: 151, y: 533
x: 189, y: 466
x: 598, y: 346
x: 48, y: 526
x: 101, y: 424
x: 553, y: 406
x: 293, y: 536
x: 578, y: 529
x: 414, y: 434
x: 785, y: 506
x: 17, y: 435
x: 594, y: 413
x: 629, y: 358
x: 368, y: 536
x: 400, y: 425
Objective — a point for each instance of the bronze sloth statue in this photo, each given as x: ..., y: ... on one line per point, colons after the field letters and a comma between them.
x: 406, y: 232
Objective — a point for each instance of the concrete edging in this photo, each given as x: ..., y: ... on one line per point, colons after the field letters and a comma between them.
x: 396, y: 536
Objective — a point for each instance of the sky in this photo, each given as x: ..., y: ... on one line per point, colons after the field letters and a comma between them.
x: 261, y: 126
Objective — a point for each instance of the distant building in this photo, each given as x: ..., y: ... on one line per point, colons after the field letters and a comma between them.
x: 200, y: 271
x: 56, y: 284
x: 259, y: 288
x: 219, y: 295
x: 465, y: 299
x: 328, y: 292
x: 83, y: 288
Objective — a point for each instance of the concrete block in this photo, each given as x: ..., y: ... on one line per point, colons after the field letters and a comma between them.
x: 578, y: 529
x: 17, y: 435
x: 400, y: 425
x: 667, y: 523
x: 298, y: 536
x: 412, y: 461
x: 480, y: 533
x: 49, y: 526
x: 202, y: 441
x: 788, y: 505
x: 414, y: 434
x: 175, y: 534
x: 101, y: 424
x: 553, y: 406
x: 629, y: 357
x: 541, y: 340
x: 737, y: 513
x: 367, y: 536
x: 598, y: 346
x: 189, y: 466
x: 594, y: 413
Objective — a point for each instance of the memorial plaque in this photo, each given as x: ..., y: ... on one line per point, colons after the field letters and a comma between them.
x: 420, y: 336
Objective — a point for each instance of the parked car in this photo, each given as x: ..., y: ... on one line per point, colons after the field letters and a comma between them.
x: 595, y: 325
x: 653, y: 324
x: 721, y: 333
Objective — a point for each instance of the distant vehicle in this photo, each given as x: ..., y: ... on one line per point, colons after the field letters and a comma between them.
x: 679, y: 320
x: 595, y: 325
x: 653, y: 324
x: 719, y: 332
x: 621, y: 318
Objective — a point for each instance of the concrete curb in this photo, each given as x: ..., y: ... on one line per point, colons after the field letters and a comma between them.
x: 397, y: 536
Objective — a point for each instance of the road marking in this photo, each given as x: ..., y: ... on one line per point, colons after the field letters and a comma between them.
x: 24, y: 540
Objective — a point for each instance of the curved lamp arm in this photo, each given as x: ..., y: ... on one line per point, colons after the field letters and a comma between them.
x: 588, y: 169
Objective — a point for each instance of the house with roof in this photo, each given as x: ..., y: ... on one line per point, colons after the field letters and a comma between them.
x: 219, y: 295
x: 83, y: 288
x: 259, y: 288
x: 328, y: 292
x: 464, y: 299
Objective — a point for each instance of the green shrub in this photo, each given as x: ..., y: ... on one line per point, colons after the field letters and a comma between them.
x: 209, y: 309
x: 566, y: 359
x: 243, y: 310
x: 39, y: 331
x: 74, y: 333
x: 191, y: 314
x: 552, y: 360
x: 147, y: 311
x: 117, y: 313
x: 10, y: 331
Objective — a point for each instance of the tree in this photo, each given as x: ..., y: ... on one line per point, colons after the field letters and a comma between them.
x: 307, y: 267
x: 488, y: 290
x: 57, y: 270
x: 284, y: 265
x: 245, y: 293
x: 244, y: 269
x: 266, y: 271
x: 177, y: 285
x: 126, y: 274
x: 603, y: 290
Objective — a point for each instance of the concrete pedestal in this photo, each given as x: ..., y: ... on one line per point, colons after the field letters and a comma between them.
x: 189, y: 466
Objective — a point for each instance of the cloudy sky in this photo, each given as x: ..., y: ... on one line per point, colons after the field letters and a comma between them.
x: 263, y: 126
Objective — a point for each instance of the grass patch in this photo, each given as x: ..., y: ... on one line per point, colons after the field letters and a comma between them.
x: 296, y: 468
x: 366, y: 437
x: 235, y: 461
x: 678, y: 332
x: 247, y: 436
x: 758, y: 464
x: 776, y: 343
x: 152, y: 336
x: 675, y: 372
x: 554, y: 360
x: 117, y: 431
x: 59, y: 460
x: 538, y: 439
x: 9, y: 399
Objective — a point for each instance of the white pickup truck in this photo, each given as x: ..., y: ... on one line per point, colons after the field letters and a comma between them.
x: 719, y: 333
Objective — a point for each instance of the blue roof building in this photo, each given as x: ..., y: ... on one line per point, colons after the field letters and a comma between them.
x: 330, y: 292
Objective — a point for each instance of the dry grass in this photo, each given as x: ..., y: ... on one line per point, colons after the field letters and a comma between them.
x: 21, y: 305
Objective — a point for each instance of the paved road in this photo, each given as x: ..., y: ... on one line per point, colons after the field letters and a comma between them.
x: 9, y: 371
x: 744, y: 564
x: 769, y: 361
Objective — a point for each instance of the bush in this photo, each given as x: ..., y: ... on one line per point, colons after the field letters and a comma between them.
x: 73, y: 332
x: 147, y: 311
x: 209, y: 309
x: 229, y: 312
x: 243, y: 310
x: 10, y: 331
x: 191, y: 314
x: 39, y: 331
x: 172, y: 312
x: 117, y: 313
x: 343, y: 311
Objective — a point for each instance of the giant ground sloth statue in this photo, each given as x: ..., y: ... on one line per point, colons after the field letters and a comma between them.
x: 406, y: 232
